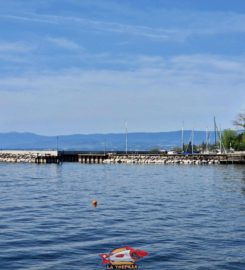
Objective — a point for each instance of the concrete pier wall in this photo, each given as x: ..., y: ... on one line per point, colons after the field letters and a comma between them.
x: 92, y: 158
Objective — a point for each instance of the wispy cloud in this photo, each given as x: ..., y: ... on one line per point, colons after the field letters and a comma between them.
x: 64, y: 43
x: 29, y: 18
x: 148, y: 92
x: 138, y: 30
x: 16, y: 52
x: 13, y: 59
x: 205, y: 23
x: 151, y: 70
x: 16, y: 47
x: 209, y: 63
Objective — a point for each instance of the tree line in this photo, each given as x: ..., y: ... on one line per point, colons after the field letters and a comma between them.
x: 235, y: 139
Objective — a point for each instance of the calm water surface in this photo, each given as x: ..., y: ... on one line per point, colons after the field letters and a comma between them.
x: 186, y: 217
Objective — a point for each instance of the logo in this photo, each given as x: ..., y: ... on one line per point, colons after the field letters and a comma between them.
x: 123, y: 258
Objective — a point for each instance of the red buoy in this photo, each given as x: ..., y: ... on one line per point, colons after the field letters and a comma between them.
x: 94, y: 203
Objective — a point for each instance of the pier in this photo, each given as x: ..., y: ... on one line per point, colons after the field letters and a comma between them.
x: 85, y: 157
x: 92, y: 158
x: 82, y: 157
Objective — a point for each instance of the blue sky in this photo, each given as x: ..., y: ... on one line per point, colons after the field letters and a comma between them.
x: 87, y: 66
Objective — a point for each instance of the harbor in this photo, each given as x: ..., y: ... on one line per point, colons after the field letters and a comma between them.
x: 143, y: 157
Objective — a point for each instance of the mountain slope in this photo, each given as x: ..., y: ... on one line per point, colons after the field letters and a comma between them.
x: 93, y: 142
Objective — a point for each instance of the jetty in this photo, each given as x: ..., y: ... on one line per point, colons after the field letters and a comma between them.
x: 28, y: 156
x: 142, y: 157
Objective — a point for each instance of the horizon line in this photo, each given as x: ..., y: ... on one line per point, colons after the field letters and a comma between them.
x: 104, y: 133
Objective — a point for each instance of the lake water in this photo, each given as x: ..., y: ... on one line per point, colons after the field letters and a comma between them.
x: 186, y: 217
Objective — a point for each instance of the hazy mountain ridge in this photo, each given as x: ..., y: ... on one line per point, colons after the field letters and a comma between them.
x: 93, y: 142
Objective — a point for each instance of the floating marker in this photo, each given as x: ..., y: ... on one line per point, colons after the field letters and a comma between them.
x: 94, y: 203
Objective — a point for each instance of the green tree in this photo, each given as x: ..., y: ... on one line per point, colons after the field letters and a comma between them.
x: 240, y: 142
x: 240, y: 120
x: 229, y: 138
x: 154, y: 150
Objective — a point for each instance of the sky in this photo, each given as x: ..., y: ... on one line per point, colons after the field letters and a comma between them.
x: 89, y: 66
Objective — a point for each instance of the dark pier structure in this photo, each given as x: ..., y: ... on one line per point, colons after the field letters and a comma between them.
x: 82, y: 157
x: 233, y: 159
x: 99, y: 157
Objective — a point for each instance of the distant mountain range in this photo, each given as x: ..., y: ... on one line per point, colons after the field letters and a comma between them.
x: 100, y: 142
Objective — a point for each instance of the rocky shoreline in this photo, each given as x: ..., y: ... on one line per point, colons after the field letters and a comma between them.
x: 160, y: 159
x: 27, y: 156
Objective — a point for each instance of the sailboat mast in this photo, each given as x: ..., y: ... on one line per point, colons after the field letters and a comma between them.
x: 207, y: 140
x: 192, y: 141
x: 182, y: 137
x: 57, y: 143
x: 126, y: 137
x: 215, y: 130
x: 220, y: 141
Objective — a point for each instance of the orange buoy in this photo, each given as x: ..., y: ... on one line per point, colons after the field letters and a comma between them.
x: 94, y: 203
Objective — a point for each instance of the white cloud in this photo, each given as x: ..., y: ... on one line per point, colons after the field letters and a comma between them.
x: 13, y: 58
x: 147, y: 71
x: 15, y: 47
x: 149, y: 96
x: 17, y: 52
x: 30, y: 18
x: 185, y: 25
x: 209, y: 63
x: 64, y: 43
x: 136, y: 30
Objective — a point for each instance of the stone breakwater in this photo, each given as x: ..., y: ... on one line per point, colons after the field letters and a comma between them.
x: 28, y: 156
x: 113, y: 158
x: 176, y: 159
